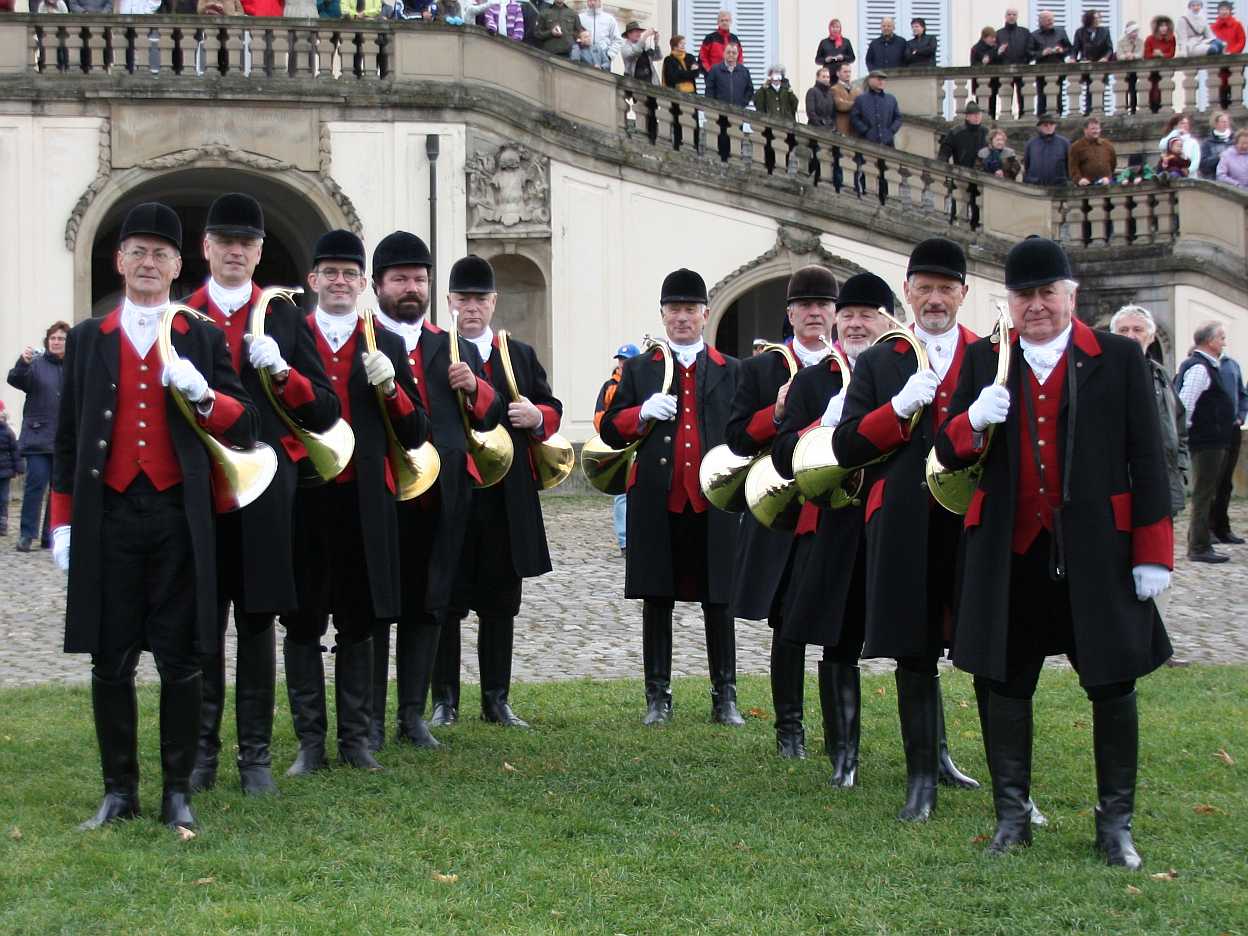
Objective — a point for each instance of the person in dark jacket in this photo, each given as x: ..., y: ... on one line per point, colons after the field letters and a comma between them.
x: 10, y: 465
x: 1013, y: 40
x: 963, y: 144
x: 820, y: 103
x: 1049, y: 46
x: 998, y: 159
x: 1221, y: 138
x: 730, y: 81
x: 680, y: 69
x: 39, y: 375
x: 1046, y: 158
x: 776, y: 98
x: 1232, y: 376
x: 1093, y: 43
x: 986, y: 51
x: 557, y: 27
x: 920, y: 50
x: 875, y: 115
x: 887, y: 50
x: 836, y: 50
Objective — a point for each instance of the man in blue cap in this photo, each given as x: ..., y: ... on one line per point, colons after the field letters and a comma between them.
x: 619, y: 507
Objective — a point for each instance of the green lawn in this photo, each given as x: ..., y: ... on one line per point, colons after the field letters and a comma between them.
x: 592, y: 824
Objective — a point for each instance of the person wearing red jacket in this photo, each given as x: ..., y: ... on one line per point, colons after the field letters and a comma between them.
x: 712, y: 51
x: 263, y: 7
x: 1227, y: 28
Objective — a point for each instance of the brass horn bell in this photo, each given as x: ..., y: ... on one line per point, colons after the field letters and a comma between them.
x: 553, y: 457
x: 491, y: 451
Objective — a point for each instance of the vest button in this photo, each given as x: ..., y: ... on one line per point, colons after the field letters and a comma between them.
x: 142, y: 424
x: 667, y: 439
x: 103, y: 444
x: 333, y: 376
x: 95, y: 472
x: 142, y: 444
x: 662, y: 461
x: 142, y: 386
x: 142, y: 406
x: 143, y: 367
x: 108, y: 414
x: 1041, y: 442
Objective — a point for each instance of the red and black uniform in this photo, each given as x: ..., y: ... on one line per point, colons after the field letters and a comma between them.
x: 679, y: 549
x: 255, y: 565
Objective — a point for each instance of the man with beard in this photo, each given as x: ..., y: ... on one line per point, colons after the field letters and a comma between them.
x: 255, y: 569
x: 764, y: 555
x: 912, y: 541
x: 432, y: 526
x: 506, y: 538
x: 346, y: 531
x: 823, y: 602
x: 678, y: 548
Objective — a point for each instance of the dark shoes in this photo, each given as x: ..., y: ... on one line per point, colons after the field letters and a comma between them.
x: 1229, y: 539
x: 1208, y: 554
x: 444, y: 715
x: 23, y: 545
x: 656, y: 654
x: 498, y: 712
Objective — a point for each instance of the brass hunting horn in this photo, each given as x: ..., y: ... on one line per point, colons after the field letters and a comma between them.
x: 818, y: 474
x: 416, y: 469
x: 329, y: 452
x: 239, y: 476
x: 553, y: 457
x: 491, y: 451
x: 606, y: 468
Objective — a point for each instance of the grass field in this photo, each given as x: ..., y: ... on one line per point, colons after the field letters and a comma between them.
x: 592, y: 824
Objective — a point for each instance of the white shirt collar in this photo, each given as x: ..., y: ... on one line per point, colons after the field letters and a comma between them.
x: 229, y: 298
x: 807, y: 356
x: 940, y: 348
x: 484, y: 343
x: 1042, y: 357
x: 687, y: 354
x: 336, y: 328
x: 140, y: 323
x: 1057, y: 343
x: 409, y: 331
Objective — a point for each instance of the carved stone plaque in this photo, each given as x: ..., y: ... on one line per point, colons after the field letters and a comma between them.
x: 508, y: 190
x: 286, y: 134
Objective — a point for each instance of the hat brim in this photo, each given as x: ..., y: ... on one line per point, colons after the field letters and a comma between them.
x: 937, y: 270
x: 801, y: 297
x: 163, y: 235
x: 682, y: 298
x: 234, y: 230
x: 1036, y: 283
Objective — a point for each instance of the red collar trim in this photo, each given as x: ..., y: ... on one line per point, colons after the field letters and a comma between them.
x: 1081, y: 336
x: 714, y: 355
x: 112, y: 322
x: 431, y: 328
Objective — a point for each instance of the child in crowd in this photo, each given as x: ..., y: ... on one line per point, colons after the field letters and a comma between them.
x: 1174, y: 165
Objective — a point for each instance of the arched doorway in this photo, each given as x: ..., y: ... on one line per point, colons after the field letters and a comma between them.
x: 757, y: 313
x: 292, y: 225
x: 523, y: 295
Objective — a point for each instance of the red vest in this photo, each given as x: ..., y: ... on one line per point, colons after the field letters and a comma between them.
x: 687, y: 445
x: 1033, y: 510
x: 338, y: 369
x: 141, y: 442
x: 234, y: 325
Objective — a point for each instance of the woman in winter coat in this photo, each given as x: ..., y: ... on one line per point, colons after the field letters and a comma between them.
x: 1233, y: 166
x: 998, y: 159
x: 1193, y: 33
x: 820, y: 103
x: 921, y: 50
x: 680, y: 69
x: 1093, y: 43
x: 836, y: 50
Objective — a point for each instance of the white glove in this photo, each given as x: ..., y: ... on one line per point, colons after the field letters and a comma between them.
x: 660, y: 407
x: 1150, y: 580
x: 379, y: 370
x: 919, y: 390
x: 990, y: 407
x: 183, y: 377
x: 832, y: 415
x: 60, y: 547
x: 264, y: 352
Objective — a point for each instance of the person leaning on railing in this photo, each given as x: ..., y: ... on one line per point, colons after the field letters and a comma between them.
x: 1233, y: 166
x: 1193, y: 33
x: 998, y: 159
x: 1219, y: 140
x: 1093, y: 43
x: 820, y: 102
x: 680, y: 69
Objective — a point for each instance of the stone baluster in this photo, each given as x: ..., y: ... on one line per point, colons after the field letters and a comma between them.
x: 1005, y: 100
x: 96, y: 41
x: 1097, y: 223
x: 658, y: 121
x: 1102, y: 87
x: 158, y: 49
x: 383, y: 54
x: 236, y: 55
x: 961, y: 89
x: 1121, y: 85
x: 1236, y: 83
x: 867, y: 181
x: 1120, y: 222
x: 1178, y: 89
x: 324, y: 48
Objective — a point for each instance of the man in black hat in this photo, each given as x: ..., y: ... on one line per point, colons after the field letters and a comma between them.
x: 346, y: 531
x: 132, y: 480
x: 679, y: 549
x: 764, y: 555
x: 1068, y: 537
x: 822, y: 601
x: 432, y: 526
x: 890, y: 416
x: 506, y: 538
x: 254, y: 559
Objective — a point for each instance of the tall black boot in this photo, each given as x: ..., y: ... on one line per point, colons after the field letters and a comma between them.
x: 116, y: 712
x: 1116, y: 740
x: 353, y: 697
x: 179, y: 734
x: 656, y: 655
x: 840, y: 697
x: 253, y: 709
x: 418, y: 647
x: 788, y: 664
x: 1008, y: 734
x: 381, y: 682
x: 204, y: 775
x: 949, y: 774
x: 446, y: 667
x: 495, y: 643
x: 721, y: 659
x: 1038, y: 819
x: 918, y: 705
x: 305, y: 687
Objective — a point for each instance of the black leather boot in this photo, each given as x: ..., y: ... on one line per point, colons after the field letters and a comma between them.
x: 840, y: 697
x: 253, y: 710
x: 788, y: 663
x: 179, y: 735
x: 656, y: 655
x: 918, y: 705
x: 353, y: 698
x: 116, y: 712
x: 418, y: 647
x: 381, y: 682
x: 1115, y: 740
x: 1009, y: 732
x: 949, y: 773
x: 1038, y: 819
x: 446, y: 667
x: 721, y: 658
x: 495, y: 642
x: 204, y: 775
x: 305, y: 687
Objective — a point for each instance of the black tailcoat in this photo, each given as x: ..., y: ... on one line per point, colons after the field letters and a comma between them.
x: 84, y: 432
x: 267, y: 559
x: 762, y: 554
x: 1118, y: 484
x: 649, y: 571
x: 825, y: 562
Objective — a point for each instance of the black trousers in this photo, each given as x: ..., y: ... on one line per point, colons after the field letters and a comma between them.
x: 1219, y: 522
x: 231, y: 580
x: 147, y: 595
x: 487, y: 582
x: 418, y: 526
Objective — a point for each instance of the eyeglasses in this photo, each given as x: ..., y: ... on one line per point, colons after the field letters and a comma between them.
x: 333, y: 273
x: 159, y: 255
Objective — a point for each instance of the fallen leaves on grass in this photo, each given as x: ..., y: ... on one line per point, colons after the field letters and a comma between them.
x: 203, y: 882
x: 445, y: 878
x: 1169, y: 875
x: 979, y: 839
x: 962, y: 703
x: 1205, y: 809
x: 1224, y: 756
x: 1133, y: 890
x: 881, y: 691
x: 15, y: 834
x: 756, y: 712
x: 185, y: 834
x: 509, y: 767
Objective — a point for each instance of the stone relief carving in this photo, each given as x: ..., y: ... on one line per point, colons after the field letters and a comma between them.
x: 508, y: 192
x: 104, y: 166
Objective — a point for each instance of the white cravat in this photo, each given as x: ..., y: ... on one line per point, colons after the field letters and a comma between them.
x: 336, y: 328
x: 687, y: 354
x: 410, y: 331
x: 140, y: 324
x: 940, y: 348
x: 1044, y: 357
x: 484, y: 343
x: 229, y: 298
x: 807, y: 356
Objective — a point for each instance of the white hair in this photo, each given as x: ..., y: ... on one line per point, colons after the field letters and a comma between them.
x: 1129, y: 310
x: 1070, y: 284
x: 776, y: 70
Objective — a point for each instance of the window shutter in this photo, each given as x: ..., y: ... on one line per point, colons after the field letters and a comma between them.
x: 870, y: 13
x: 754, y: 22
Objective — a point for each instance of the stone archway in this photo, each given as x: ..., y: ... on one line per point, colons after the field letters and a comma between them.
x: 523, y: 293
